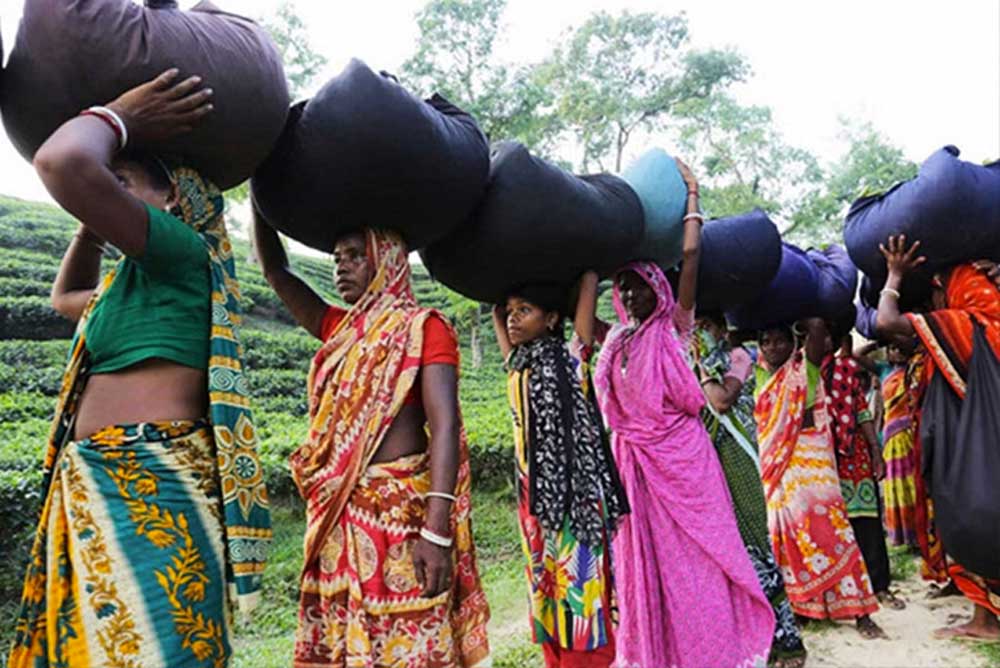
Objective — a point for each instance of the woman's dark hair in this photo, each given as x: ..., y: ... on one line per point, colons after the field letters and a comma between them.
x: 550, y: 297
x: 717, y: 318
x: 155, y: 168
x: 785, y: 330
x: 842, y: 325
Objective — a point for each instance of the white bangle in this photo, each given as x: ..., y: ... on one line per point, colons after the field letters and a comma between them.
x: 442, y: 495
x: 117, y: 120
x: 890, y: 292
x: 694, y: 216
x: 436, y: 539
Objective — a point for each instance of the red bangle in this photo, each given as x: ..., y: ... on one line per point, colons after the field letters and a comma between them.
x: 96, y: 112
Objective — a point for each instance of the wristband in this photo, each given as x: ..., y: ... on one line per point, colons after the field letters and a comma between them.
x: 113, y: 120
x: 86, y: 238
x: 441, y: 495
x: 890, y: 292
x: 436, y: 538
x: 694, y: 215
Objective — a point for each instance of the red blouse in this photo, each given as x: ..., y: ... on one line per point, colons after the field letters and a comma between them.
x: 439, y: 347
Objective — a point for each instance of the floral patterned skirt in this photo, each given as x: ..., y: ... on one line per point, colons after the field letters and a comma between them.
x: 570, y: 590
x: 127, y: 567
x: 360, y: 603
x: 825, y: 575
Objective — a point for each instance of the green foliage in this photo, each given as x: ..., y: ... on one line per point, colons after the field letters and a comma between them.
x: 619, y: 74
x: 24, y: 287
x: 742, y: 160
x: 456, y: 56
x: 870, y: 164
x: 302, y: 62
x: 20, y: 504
x: 902, y: 563
x: 31, y: 318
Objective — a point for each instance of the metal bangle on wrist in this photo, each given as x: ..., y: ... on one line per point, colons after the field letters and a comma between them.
x: 87, y: 238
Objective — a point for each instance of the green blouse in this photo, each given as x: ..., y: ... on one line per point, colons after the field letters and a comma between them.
x: 158, y: 305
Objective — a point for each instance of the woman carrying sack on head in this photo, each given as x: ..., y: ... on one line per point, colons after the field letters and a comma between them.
x: 687, y: 592
x: 155, y: 507
x: 959, y: 420
x: 390, y: 573
x: 570, y: 499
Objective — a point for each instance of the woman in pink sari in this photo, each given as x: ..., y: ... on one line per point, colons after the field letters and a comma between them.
x: 687, y: 592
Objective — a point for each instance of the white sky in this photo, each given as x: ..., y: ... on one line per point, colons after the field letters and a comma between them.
x: 924, y: 72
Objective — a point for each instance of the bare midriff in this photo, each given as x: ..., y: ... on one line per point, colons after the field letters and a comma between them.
x: 154, y: 390
x: 406, y: 435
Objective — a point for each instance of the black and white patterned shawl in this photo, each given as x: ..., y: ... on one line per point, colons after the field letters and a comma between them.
x: 570, y: 467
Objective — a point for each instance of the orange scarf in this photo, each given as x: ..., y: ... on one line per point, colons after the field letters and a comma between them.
x: 947, y: 334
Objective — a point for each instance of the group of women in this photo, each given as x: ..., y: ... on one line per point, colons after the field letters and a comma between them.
x: 682, y: 505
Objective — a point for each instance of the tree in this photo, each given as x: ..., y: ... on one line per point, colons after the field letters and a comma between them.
x: 743, y: 160
x: 620, y: 74
x: 870, y: 163
x: 302, y: 62
x: 456, y: 57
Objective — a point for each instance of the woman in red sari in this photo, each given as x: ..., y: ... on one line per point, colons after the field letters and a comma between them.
x: 390, y: 575
x: 825, y: 574
x: 959, y: 420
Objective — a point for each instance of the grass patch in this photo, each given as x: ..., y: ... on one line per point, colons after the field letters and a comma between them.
x: 267, y: 639
x: 902, y: 562
x: 991, y: 651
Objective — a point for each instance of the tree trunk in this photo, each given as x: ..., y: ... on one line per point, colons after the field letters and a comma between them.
x: 475, y: 342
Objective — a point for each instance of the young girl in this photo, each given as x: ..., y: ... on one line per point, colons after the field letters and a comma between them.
x: 569, y: 495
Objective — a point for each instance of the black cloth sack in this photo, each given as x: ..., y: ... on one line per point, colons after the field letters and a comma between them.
x: 739, y: 257
x: 364, y: 152
x: 537, y: 223
x: 960, y: 441
x: 72, y: 55
x: 951, y: 206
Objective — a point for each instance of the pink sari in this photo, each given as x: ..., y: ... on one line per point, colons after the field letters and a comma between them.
x: 687, y: 592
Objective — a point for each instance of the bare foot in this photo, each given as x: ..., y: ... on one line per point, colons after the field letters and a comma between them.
x: 890, y: 600
x: 984, y: 626
x: 969, y: 631
x: 869, y: 630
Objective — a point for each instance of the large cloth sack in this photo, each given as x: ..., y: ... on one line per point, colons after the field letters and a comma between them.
x: 657, y: 181
x: 70, y: 55
x: 366, y: 153
x: 961, y: 462
x: 951, y: 206
x: 792, y: 294
x: 837, y: 280
x: 865, y: 320
x: 537, y: 223
x: 739, y: 257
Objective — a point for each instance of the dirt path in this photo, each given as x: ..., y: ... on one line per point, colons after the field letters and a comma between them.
x: 911, y: 643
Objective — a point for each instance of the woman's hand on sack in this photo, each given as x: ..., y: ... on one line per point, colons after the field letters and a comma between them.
x: 432, y: 567
x: 899, y: 258
x: 163, y: 108
x: 688, y: 176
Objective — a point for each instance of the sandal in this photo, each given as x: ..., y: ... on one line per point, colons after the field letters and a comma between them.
x: 869, y: 630
x: 890, y: 600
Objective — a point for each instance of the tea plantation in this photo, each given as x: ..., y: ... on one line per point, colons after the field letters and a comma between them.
x: 33, y: 346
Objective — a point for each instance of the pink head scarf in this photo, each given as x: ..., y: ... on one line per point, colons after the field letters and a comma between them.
x: 658, y: 379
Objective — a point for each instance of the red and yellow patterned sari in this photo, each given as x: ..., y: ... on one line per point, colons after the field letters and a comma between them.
x: 360, y: 601
x: 825, y: 575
